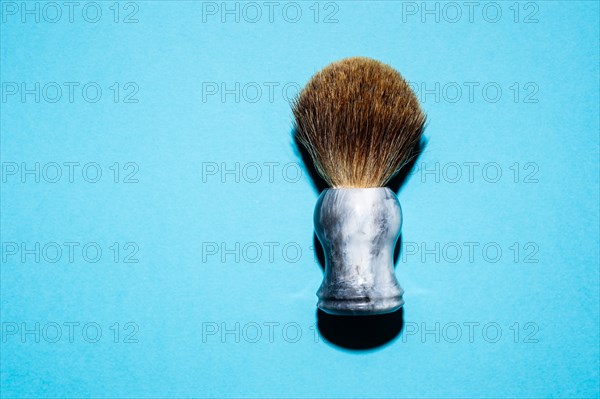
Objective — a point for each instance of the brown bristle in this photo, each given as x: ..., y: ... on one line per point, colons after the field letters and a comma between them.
x: 359, y: 121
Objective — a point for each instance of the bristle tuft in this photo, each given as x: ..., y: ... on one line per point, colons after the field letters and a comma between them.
x: 359, y: 121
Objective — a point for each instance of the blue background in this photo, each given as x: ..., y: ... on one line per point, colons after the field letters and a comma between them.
x: 180, y: 296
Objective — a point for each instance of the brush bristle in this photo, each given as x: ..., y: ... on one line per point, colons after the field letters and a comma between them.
x: 359, y: 121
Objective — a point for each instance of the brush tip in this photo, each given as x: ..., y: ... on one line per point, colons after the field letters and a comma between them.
x: 359, y: 121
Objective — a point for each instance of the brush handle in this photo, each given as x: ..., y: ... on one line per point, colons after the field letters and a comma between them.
x: 358, y: 229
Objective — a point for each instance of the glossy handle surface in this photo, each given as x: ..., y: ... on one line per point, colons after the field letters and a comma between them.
x: 358, y: 229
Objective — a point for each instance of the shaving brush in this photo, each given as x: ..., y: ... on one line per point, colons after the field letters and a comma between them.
x: 360, y: 123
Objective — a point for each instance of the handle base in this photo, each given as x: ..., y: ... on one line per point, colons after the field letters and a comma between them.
x: 360, y: 306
